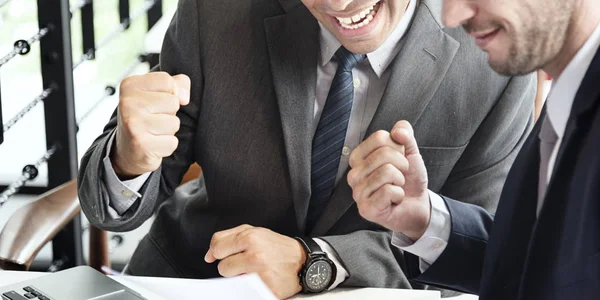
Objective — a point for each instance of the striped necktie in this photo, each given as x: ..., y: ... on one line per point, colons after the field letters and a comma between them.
x: 331, y: 133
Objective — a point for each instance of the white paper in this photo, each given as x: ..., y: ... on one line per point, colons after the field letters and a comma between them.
x: 248, y: 287
x: 374, y: 293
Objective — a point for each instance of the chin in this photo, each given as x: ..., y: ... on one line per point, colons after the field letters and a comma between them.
x: 361, y: 47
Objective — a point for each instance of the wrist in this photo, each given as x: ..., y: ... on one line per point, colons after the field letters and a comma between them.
x: 423, y: 222
x: 118, y: 163
x: 301, y: 255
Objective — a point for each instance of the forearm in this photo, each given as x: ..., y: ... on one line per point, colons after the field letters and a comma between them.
x: 95, y: 195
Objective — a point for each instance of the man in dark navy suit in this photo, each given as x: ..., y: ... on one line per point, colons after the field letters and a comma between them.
x: 544, y: 240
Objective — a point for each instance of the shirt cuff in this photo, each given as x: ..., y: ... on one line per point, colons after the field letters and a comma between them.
x: 122, y: 194
x: 435, y: 239
x: 341, y: 272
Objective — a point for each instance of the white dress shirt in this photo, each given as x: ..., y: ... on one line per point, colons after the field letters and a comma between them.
x: 370, y: 81
x: 558, y: 107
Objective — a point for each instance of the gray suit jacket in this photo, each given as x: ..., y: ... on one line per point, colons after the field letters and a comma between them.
x: 253, y: 71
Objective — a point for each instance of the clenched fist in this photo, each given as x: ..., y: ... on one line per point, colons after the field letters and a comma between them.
x: 147, y: 121
x: 389, y: 181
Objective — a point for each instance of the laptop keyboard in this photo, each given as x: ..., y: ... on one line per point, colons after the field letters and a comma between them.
x: 31, y: 293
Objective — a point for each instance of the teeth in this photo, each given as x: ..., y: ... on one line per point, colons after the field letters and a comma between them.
x: 366, y: 16
x: 345, y: 20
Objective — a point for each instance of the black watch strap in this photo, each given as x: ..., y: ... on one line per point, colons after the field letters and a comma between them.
x: 310, y: 245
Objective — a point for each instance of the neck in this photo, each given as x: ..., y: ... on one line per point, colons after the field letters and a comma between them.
x: 584, y: 21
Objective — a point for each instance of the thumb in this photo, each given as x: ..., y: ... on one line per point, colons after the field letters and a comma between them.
x: 183, y: 86
x: 403, y: 134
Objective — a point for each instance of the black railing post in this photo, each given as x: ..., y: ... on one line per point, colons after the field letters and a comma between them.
x: 1, y: 122
x: 124, y: 11
x: 59, y: 111
x: 154, y: 14
x: 87, y: 29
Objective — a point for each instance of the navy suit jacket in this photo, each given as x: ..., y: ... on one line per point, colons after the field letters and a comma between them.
x: 516, y: 255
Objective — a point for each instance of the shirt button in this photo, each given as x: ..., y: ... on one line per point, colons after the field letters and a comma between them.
x: 356, y: 83
x: 438, y: 245
x: 346, y: 151
x: 127, y: 194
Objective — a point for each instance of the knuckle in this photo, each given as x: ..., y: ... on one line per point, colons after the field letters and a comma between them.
x: 246, y: 227
x: 127, y: 104
x: 352, y: 159
x: 252, y: 237
x: 388, y: 170
x: 128, y: 83
x: 174, y: 143
x: 401, y: 179
x: 163, y: 76
x: 386, y: 191
x: 173, y: 103
x: 222, y: 267
x: 176, y: 124
x: 248, y: 240
x: 132, y: 123
x: 381, y: 136
x: 352, y: 177
x: 216, y: 251
x: 258, y: 258
x: 217, y: 236
x: 356, y: 192
x: 372, y: 159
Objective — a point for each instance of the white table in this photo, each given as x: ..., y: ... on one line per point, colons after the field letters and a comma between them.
x: 152, y: 284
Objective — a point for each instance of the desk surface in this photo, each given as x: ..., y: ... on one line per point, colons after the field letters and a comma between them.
x: 8, y: 277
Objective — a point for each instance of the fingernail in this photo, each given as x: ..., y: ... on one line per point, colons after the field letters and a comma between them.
x: 184, y: 95
x: 206, y: 257
x: 401, y: 130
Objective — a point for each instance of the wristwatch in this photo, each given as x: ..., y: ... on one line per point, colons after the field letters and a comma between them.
x: 318, y: 272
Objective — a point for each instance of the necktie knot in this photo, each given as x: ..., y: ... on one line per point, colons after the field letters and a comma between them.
x: 347, y: 59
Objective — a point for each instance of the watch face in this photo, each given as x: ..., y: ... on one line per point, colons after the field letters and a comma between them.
x: 318, y: 276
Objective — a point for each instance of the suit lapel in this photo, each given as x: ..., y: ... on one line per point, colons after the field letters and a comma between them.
x: 514, y: 220
x: 292, y: 41
x: 417, y: 71
x: 585, y: 100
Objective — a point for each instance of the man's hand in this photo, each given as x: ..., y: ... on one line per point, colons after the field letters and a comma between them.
x: 389, y: 181
x: 246, y: 249
x: 147, y: 121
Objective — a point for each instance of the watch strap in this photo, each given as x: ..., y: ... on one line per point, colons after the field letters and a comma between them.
x: 310, y: 245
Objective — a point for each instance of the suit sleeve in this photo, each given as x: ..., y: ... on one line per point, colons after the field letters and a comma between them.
x: 478, y: 186
x: 476, y: 181
x: 179, y: 55
x: 459, y: 266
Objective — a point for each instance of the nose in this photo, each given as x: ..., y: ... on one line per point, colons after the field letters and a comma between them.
x: 457, y: 12
x: 338, y: 5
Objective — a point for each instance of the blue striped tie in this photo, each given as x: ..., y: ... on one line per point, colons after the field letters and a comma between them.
x: 331, y: 134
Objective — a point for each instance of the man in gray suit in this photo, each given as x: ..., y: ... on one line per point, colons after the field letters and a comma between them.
x: 275, y: 96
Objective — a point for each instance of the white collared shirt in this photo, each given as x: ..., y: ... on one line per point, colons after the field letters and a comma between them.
x: 558, y: 106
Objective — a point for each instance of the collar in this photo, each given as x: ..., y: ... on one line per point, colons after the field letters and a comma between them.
x: 561, y: 98
x: 379, y: 59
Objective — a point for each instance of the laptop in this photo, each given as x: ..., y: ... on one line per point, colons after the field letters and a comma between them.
x: 79, y: 283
